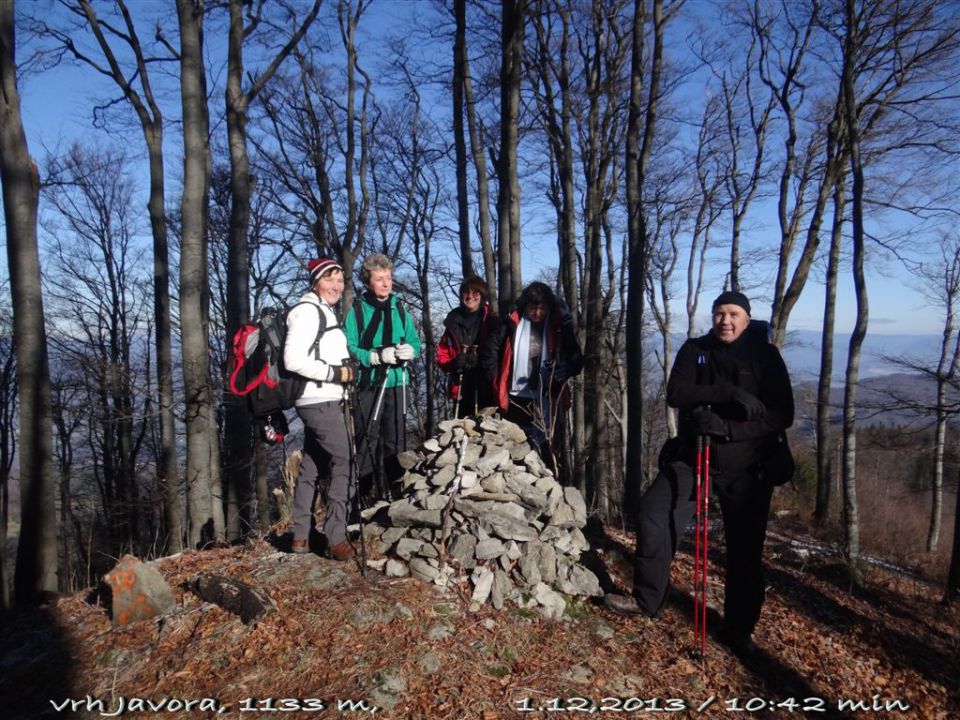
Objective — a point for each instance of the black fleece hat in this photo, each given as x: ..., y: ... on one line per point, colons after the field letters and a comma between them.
x: 732, y: 297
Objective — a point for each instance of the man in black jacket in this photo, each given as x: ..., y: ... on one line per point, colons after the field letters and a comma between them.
x: 734, y: 387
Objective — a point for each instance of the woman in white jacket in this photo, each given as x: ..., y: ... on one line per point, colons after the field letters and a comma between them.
x: 318, y: 351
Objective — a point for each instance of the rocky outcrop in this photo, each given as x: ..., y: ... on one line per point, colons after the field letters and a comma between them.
x: 479, y: 504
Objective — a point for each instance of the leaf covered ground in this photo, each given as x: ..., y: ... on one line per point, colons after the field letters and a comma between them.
x: 412, y: 651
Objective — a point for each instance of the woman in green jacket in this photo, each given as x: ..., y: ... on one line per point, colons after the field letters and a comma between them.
x: 382, y: 337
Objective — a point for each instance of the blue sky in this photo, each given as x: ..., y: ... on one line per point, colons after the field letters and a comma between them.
x: 57, y: 108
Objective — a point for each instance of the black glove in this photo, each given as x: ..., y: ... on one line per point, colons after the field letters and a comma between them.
x: 707, y: 422
x: 344, y: 374
x: 750, y: 403
x: 469, y: 357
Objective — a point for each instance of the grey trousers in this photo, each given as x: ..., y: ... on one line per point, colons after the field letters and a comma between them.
x: 326, y: 457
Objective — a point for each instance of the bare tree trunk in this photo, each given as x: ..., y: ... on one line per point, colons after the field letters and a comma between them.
x: 708, y: 183
x: 743, y: 189
x: 553, y: 66
x: 459, y: 140
x: 36, y: 568
x: 169, y: 470
x: 8, y: 415
x: 483, y: 188
x: 555, y: 62
x: 425, y: 191
x: 952, y: 591
x: 658, y: 291
x: 824, y: 455
x: 202, y: 525
x: 850, y: 505
x: 355, y: 169
x: 946, y: 374
x: 782, y: 49
x: 508, y: 199
x: 237, y: 426
x: 639, y: 150
x: 603, y: 53
x: 936, y: 486
x: 836, y: 157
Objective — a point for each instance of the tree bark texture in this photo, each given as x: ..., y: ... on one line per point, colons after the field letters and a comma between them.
x: 508, y: 200
x: 459, y: 139
x: 946, y: 376
x: 194, y: 307
x: 237, y: 425
x: 824, y: 446
x: 850, y: 504
x: 641, y: 126
x: 483, y: 187
x: 952, y: 591
x: 36, y: 566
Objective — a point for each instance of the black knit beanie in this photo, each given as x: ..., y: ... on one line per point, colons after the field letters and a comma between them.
x: 732, y: 297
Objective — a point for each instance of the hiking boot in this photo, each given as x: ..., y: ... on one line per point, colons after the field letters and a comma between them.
x: 739, y: 644
x: 300, y: 547
x: 621, y: 604
x: 342, y: 551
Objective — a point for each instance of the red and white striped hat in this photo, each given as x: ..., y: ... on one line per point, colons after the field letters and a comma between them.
x: 320, y: 267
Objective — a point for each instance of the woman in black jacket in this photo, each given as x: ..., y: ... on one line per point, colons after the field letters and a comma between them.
x: 467, y: 328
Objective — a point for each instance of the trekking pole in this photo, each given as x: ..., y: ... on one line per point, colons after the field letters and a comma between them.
x: 368, y: 427
x: 698, y: 568
x: 379, y: 402
x: 403, y: 390
x: 456, y: 403
x: 704, y: 543
x: 354, y: 497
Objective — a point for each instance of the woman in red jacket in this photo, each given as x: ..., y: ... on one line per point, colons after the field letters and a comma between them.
x: 468, y: 327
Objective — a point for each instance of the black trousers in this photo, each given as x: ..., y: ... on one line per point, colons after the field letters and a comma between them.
x: 666, y: 510
x: 475, y: 393
x: 387, y: 438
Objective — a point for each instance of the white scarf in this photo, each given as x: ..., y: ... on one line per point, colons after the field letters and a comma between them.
x: 520, y: 384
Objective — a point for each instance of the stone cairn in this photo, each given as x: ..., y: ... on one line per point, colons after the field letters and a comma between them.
x: 477, y: 501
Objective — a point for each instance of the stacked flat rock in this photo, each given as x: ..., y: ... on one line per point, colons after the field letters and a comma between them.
x: 496, y: 514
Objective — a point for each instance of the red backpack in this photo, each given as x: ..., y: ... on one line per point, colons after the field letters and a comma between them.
x: 257, y: 372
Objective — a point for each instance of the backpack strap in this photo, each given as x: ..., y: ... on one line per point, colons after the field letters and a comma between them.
x: 366, y: 377
x: 244, y: 343
x: 321, y: 329
x: 370, y: 331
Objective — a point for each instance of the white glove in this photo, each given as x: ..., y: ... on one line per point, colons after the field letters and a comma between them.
x: 374, y: 358
x: 388, y: 355
x: 404, y: 352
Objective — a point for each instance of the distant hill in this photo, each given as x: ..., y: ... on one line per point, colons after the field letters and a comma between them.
x: 802, y: 354
x: 888, y: 400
